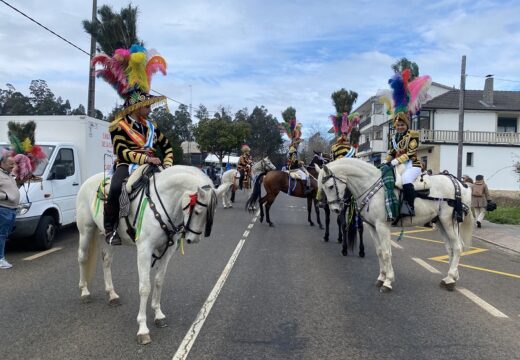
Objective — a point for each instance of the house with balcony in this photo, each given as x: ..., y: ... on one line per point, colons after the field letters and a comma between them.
x: 491, y: 141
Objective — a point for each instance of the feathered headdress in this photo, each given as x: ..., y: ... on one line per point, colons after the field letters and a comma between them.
x: 245, y: 148
x: 292, y: 129
x: 405, y: 98
x: 130, y: 72
x: 345, y: 125
x: 27, y: 156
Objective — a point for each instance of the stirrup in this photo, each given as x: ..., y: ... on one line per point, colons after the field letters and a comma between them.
x: 113, y: 238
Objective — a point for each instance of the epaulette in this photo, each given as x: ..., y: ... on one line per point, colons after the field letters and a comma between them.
x: 414, y: 133
x: 113, y: 125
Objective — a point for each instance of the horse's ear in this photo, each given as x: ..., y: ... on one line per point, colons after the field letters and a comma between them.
x: 317, y: 167
x: 326, y: 170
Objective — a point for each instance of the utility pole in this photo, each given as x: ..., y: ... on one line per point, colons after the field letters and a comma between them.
x: 461, y: 115
x: 91, y: 107
x: 191, y: 123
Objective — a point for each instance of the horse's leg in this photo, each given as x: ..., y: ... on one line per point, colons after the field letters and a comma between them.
x: 327, y: 222
x: 383, y: 231
x: 144, y: 262
x: 454, y: 247
x: 340, y: 227
x: 107, y: 255
x: 87, y: 256
x: 382, y: 271
x: 359, y: 225
x: 269, y: 202
x: 317, y: 210
x: 162, y: 265
x: 261, y: 205
x: 309, y: 211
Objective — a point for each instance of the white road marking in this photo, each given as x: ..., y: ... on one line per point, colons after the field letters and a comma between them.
x: 43, y: 253
x: 396, y: 245
x: 193, y: 332
x: 246, y: 234
x: 250, y: 226
x: 425, y: 265
x: 484, y: 305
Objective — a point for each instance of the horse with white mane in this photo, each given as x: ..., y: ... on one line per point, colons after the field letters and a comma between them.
x: 362, y: 178
x: 229, y: 180
x: 178, y: 202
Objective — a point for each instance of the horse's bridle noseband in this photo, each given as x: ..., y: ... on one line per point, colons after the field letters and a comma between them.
x: 194, y: 200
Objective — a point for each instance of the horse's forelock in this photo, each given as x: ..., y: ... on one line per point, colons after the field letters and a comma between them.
x: 212, y: 205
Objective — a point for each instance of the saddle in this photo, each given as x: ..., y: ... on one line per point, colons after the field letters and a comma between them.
x: 297, y: 174
x: 134, y: 178
x: 421, y: 184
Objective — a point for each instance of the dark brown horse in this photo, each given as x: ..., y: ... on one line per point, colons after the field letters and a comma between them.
x: 276, y: 181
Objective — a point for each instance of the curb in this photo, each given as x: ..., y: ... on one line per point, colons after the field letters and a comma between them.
x: 494, y: 243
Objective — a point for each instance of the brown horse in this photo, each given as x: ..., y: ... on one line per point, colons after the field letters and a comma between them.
x: 276, y: 181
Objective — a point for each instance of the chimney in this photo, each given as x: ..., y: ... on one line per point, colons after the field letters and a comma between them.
x: 488, y: 90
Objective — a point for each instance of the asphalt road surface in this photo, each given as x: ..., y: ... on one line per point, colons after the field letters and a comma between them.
x: 260, y: 292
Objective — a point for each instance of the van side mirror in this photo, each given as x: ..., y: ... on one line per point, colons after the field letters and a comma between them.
x: 59, y: 172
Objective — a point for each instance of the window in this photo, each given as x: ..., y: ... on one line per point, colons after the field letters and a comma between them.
x: 424, y: 160
x: 65, y: 158
x: 378, y: 135
x: 469, y: 159
x: 506, y: 124
x: 424, y: 120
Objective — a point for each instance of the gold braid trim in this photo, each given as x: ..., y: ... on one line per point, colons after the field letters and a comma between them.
x: 160, y: 100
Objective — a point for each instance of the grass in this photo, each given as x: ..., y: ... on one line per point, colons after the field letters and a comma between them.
x: 504, y: 215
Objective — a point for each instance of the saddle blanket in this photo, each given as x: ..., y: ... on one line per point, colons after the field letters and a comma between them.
x: 297, y: 174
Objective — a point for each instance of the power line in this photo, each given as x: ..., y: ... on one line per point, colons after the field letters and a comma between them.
x: 481, y: 76
x: 70, y: 43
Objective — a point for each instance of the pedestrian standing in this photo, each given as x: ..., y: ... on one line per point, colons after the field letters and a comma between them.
x: 9, y: 199
x: 479, y: 199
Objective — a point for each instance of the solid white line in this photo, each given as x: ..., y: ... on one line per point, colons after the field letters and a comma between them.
x: 193, y: 332
x: 396, y: 245
x: 250, y: 226
x: 43, y: 253
x: 484, y: 305
x: 246, y: 234
x: 425, y: 265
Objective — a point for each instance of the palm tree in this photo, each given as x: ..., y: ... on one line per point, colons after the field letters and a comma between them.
x: 343, y: 100
x: 112, y: 30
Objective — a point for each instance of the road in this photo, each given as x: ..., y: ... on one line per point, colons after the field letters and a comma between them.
x: 288, y: 295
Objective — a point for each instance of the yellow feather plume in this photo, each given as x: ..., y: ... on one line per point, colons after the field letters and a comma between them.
x: 26, y: 145
x: 136, y: 71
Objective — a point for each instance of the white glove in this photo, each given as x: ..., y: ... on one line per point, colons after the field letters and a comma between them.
x: 395, y: 162
x: 384, y: 162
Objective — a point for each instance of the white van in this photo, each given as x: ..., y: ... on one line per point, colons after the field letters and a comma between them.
x: 77, y: 147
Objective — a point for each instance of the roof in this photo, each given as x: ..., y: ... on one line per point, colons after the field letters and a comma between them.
x: 211, y: 158
x: 502, y: 100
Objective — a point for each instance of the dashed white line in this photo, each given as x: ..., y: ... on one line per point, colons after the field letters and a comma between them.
x: 250, y: 226
x: 396, y: 245
x: 484, y: 305
x: 43, y: 253
x: 425, y: 265
x: 246, y: 234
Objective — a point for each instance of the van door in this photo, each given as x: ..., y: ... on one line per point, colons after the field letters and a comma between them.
x: 65, y: 180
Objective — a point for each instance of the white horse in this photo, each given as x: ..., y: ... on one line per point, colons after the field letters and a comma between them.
x: 230, y: 180
x: 180, y: 203
x: 361, y: 179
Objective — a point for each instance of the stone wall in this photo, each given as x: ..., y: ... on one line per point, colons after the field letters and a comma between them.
x: 506, y: 197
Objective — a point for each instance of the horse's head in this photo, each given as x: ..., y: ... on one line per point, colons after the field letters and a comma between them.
x: 318, y: 159
x: 266, y: 165
x: 332, y: 187
x: 199, y: 209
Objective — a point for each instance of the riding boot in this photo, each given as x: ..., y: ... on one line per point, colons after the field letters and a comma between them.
x: 308, y: 188
x: 409, y: 197
x: 110, y: 215
x: 241, y: 180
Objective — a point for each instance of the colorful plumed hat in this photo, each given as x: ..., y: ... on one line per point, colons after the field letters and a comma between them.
x: 345, y: 126
x: 245, y: 148
x: 292, y: 129
x: 405, y: 98
x: 130, y: 72
x: 27, y: 156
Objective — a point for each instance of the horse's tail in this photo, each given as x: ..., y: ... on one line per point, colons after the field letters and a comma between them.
x: 223, y: 188
x: 257, y: 191
x: 466, y: 230
x: 92, y: 254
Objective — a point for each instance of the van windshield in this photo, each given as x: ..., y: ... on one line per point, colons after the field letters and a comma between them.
x: 47, y: 149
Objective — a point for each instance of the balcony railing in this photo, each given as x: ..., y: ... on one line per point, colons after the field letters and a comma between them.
x: 470, y: 137
x: 365, y: 122
x: 364, y: 147
x: 372, y: 146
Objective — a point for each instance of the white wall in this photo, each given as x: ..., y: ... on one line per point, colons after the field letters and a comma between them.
x: 473, y: 120
x: 435, y: 91
x: 493, y: 162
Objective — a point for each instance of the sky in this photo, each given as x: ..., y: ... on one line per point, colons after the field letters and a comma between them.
x: 244, y: 53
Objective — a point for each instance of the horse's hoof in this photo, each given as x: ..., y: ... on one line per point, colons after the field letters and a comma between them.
x: 271, y: 224
x: 85, y: 299
x: 340, y: 241
x: 230, y: 206
x: 326, y: 238
x: 225, y: 207
x: 114, y: 302
x: 379, y: 283
x: 321, y: 227
x: 385, y: 289
x: 449, y: 287
x: 160, y: 323
x: 344, y: 252
x: 144, y: 339
x: 311, y: 223
x: 362, y: 254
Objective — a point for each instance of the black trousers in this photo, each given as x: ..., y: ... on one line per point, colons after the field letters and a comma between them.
x: 116, y: 183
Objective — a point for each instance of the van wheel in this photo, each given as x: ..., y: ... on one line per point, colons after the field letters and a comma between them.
x: 44, y: 235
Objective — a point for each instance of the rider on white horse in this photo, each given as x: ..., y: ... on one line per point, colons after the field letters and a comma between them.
x: 244, y: 165
x: 135, y: 138
x: 347, y: 133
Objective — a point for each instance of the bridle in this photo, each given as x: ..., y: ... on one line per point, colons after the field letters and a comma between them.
x: 194, y: 200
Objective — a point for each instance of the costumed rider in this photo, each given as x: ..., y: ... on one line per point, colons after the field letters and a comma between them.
x: 345, y: 128
x: 244, y: 165
x: 294, y: 132
x: 407, y: 99
x: 135, y: 138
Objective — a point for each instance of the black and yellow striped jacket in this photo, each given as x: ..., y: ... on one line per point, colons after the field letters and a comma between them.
x: 128, y: 152
x: 340, y: 149
x: 404, y: 147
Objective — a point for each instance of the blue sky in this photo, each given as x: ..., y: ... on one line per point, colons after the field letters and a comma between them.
x: 273, y: 53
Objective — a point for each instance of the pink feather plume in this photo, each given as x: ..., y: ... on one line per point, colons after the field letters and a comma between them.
x: 418, y: 92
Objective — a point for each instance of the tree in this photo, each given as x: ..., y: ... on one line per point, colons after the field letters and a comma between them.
x: 80, y: 110
x: 182, y: 123
x: 13, y: 102
x: 289, y: 114
x: 316, y: 143
x: 114, y: 30
x: 403, y: 64
x: 265, y: 138
x: 166, y: 124
x: 343, y: 100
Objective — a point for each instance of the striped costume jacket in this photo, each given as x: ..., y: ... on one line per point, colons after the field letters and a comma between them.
x: 404, y: 148
x: 341, y: 149
x: 129, y: 139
